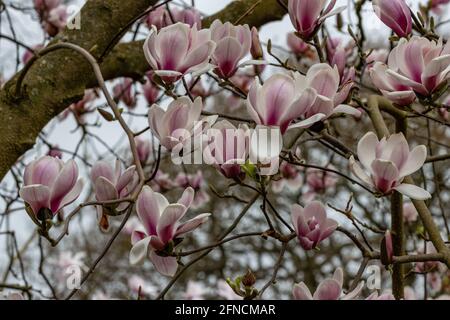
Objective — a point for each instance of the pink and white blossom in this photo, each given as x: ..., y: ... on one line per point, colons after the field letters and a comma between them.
x: 227, y: 148
x: 308, y: 15
x: 395, y: 14
x: 179, y: 122
x: 161, y: 222
x: 50, y: 184
x: 233, y: 43
x: 177, y: 50
x: 416, y: 66
x: 328, y: 289
x: 112, y: 184
x: 386, y: 162
x: 311, y: 224
x: 124, y: 91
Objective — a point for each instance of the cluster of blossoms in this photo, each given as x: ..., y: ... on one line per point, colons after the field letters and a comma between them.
x: 176, y: 47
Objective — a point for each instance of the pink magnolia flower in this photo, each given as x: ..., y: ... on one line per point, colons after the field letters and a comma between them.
x: 311, y: 224
x: 256, y: 49
x: 190, y: 16
x: 158, y: 18
x: 50, y: 184
x: 45, y: 6
x: 56, y: 20
x: 415, y: 67
x: 291, y: 179
x: 410, y: 213
x: 162, y: 182
x: 328, y: 289
x: 308, y: 15
x: 377, y: 55
x: 298, y: 46
x: 178, y: 123
x: 143, y: 147
x: 177, y: 50
x: 319, y: 181
x: 151, y: 91
x: 227, y: 148
x: 111, y: 184
x: 385, y: 163
x: 162, y: 225
x: 284, y: 98
x: 436, y: 5
x: 337, y: 55
x: 123, y: 91
x: 233, y: 44
x: 395, y: 14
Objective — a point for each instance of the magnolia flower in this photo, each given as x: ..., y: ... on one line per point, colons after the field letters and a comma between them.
x: 177, y: 50
x: 298, y: 46
x: 161, y: 18
x: 291, y: 179
x: 328, y: 289
x: 415, y: 67
x: 284, y: 98
x: 158, y: 18
x: 45, y: 6
x: 256, y: 49
x: 190, y: 16
x: 233, y: 44
x: 151, y: 91
x: 319, y: 181
x: 380, y: 55
x: 56, y: 20
x: 227, y: 148
x: 162, y: 182
x: 395, y: 14
x: 385, y: 163
x: 311, y: 224
x: 143, y: 147
x: 337, y: 54
x: 308, y: 15
x: 49, y: 185
x: 436, y: 5
x: 111, y: 184
x: 124, y: 92
x: 178, y: 123
x: 265, y: 147
x: 163, y: 228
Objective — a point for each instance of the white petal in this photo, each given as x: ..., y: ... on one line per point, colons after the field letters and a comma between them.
x: 413, y: 192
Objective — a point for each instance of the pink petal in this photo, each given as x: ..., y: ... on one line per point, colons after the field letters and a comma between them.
x: 328, y: 289
x: 37, y: 196
x: 168, y: 222
x: 165, y: 265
